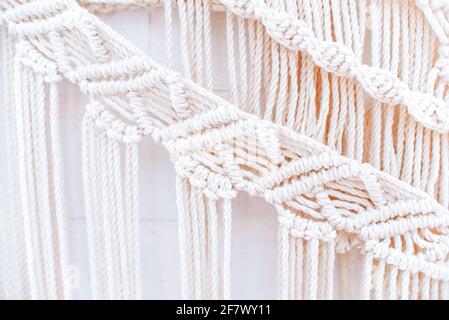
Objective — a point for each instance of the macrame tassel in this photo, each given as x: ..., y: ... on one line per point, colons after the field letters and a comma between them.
x: 41, y: 185
x: 306, y: 267
x: 112, y: 214
x: 199, y: 221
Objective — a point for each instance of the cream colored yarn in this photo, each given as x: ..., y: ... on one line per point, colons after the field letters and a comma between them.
x: 342, y: 130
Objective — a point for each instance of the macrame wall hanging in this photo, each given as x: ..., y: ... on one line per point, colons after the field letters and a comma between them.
x: 337, y: 116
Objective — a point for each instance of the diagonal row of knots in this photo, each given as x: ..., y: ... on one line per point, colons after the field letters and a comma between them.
x: 212, y: 161
x: 36, y: 19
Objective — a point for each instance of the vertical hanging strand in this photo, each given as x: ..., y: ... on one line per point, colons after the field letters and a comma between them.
x: 404, y: 75
x: 257, y: 48
x: 311, y: 269
x: 266, y: 70
x: 358, y: 10
x: 308, y: 82
x: 32, y: 170
x: 102, y: 229
x: 394, y: 273
x: 7, y: 282
x: 367, y: 277
x: 332, y: 134
x: 299, y: 267
x: 376, y: 113
x: 198, y: 232
x: 213, y: 247
x: 418, y: 62
x: 196, y: 235
x: 94, y: 232
x: 340, y: 111
x: 121, y: 220
x: 324, y: 90
x: 18, y: 247
x: 291, y: 267
x: 227, y: 238
x: 243, y: 64
x: 42, y: 184
x: 425, y: 287
x: 111, y: 195
x: 109, y: 215
x: 58, y: 184
x: 283, y: 262
x: 414, y: 291
x: 132, y: 218
x: 327, y: 259
x: 198, y: 41
x: 292, y: 8
x: 379, y: 280
x: 404, y: 278
x: 185, y: 51
x: 192, y: 34
x: 409, y: 60
x: 183, y: 231
x: 444, y: 176
x: 168, y: 15
x: 24, y: 148
x: 231, y: 56
x: 405, y: 285
x: 387, y: 113
x: 207, y: 27
x: 434, y: 289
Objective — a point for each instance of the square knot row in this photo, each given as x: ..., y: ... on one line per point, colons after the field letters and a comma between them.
x: 39, y: 18
x: 305, y: 228
x: 113, y: 126
x: 214, y: 185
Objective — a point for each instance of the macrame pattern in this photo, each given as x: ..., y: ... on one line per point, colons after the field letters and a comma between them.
x: 327, y: 203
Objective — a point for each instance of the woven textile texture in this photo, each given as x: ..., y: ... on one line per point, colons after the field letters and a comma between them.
x: 337, y: 117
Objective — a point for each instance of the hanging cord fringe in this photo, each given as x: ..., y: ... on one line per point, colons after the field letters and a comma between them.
x: 199, y: 223
x: 112, y: 214
x: 40, y: 176
x: 306, y: 265
x: 14, y: 264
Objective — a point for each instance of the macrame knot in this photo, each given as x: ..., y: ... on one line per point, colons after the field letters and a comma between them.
x: 31, y: 21
x: 243, y: 8
x: 406, y: 261
x: 344, y: 242
x: 178, y: 96
x: 334, y: 57
x: 270, y: 141
x: 429, y: 111
x: 215, y: 186
x: 36, y: 10
x: 382, y: 84
x: 305, y: 228
x: 114, y: 127
x: 290, y: 32
x: 30, y: 58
